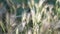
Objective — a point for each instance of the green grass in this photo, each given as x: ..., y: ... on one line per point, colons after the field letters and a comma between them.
x: 40, y: 20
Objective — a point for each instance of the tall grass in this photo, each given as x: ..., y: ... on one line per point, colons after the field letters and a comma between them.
x: 43, y: 17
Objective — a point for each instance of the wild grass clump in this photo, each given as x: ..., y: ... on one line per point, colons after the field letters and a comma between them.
x: 32, y: 17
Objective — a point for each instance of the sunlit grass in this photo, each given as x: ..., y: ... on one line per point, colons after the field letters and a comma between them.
x: 43, y: 18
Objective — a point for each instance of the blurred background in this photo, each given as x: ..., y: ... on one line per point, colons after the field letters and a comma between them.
x: 29, y: 16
